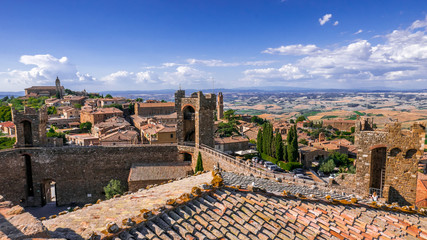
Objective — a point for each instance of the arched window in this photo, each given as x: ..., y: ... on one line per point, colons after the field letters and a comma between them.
x: 410, y: 153
x: 394, y: 152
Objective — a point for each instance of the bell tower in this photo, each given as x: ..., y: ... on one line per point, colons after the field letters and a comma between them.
x: 59, y: 92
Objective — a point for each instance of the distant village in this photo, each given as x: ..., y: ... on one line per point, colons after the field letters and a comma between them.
x: 88, y: 119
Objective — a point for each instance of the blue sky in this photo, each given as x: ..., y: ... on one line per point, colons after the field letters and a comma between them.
x: 153, y: 44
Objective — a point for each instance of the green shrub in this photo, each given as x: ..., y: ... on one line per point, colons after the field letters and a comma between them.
x: 289, y: 166
x: 114, y: 187
x: 268, y: 158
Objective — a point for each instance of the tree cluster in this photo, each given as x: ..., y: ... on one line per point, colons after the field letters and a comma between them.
x: 5, y: 114
x: 229, y: 128
x: 257, y: 120
x: 269, y: 143
x: 53, y: 133
x: 86, y: 127
x: 339, y: 160
x: 52, y: 110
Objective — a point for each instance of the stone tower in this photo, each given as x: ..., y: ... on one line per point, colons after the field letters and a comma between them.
x: 220, y: 106
x: 30, y: 127
x: 387, y: 160
x: 59, y: 92
x: 195, y: 118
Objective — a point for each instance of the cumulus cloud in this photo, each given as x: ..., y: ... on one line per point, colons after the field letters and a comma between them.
x: 44, y: 72
x: 124, y: 80
x: 325, y: 19
x: 336, y: 23
x: 399, y: 60
x: 298, y: 49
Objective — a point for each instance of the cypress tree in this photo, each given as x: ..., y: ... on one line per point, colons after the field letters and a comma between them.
x: 259, y: 141
x: 199, y: 164
x: 272, y: 144
x: 285, y: 153
x: 265, y: 144
x: 279, y: 147
x: 292, y: 148
x: 295, y: 140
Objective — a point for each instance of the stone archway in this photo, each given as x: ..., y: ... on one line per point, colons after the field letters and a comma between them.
x: 378, y: 170
x: 48, y: 192
x: 28, y: 133
x: 189, y: 115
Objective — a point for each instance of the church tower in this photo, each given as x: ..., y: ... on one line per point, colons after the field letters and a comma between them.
x: 59, y: 92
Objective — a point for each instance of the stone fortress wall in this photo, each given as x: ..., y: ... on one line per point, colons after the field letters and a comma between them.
x: 80, y: 173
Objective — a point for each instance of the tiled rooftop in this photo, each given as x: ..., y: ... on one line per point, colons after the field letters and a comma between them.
x: 239, y: 214
x: 233, y: 213
x: 82, y: 223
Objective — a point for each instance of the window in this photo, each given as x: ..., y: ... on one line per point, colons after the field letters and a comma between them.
x: 171, y: 135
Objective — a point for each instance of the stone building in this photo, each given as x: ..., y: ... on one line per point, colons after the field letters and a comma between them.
x: 30, y: 126
x: 158, y: 133
x: 340, y: 124
x: 220, y: 106
x: 154, y: 108
x: 99, y: 115
x: 387, y: 160
x: 195, y: 118
x: 45, y: 91
x: 7, y: 128
x: 232, y: 144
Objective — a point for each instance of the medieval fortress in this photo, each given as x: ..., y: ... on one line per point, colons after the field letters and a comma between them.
x: 386, y: 160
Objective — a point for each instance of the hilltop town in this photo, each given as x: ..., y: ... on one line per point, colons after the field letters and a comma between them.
x: 70, y: 148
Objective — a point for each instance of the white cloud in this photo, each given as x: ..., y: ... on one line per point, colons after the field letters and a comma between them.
x: 358, y: 32
x: 220, y: 63
x: 46, y: 69
x: 325, y: 19
x: 187, y: 76
x: 298, y: 49
x: 401, y: 59
x: 286, y: 72
x: 336, y: 23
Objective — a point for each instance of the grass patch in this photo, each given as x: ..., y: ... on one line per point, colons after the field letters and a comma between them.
x: 360, y: 113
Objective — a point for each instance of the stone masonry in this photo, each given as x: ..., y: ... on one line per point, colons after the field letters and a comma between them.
x: 220, y: 106
x: 80, y: 173
x: 387, y: 160
x: 30, y: 127
x: 195, y: 118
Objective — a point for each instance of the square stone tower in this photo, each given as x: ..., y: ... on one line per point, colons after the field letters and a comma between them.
x: 195, y: 118
x: 30, y: 127
x: 387, y: 160
x: 220, y: 106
